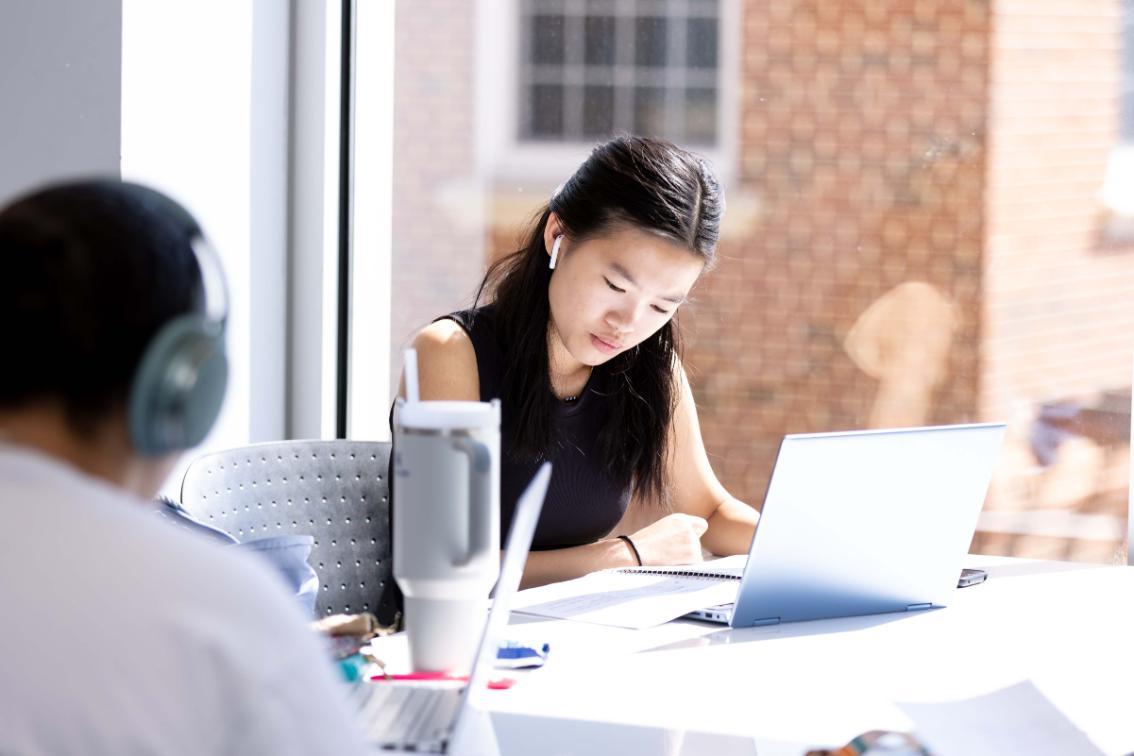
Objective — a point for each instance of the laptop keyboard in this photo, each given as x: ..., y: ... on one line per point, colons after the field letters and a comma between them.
x: 409, y: 717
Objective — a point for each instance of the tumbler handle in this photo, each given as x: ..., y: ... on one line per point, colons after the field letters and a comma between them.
x: 480, y: 498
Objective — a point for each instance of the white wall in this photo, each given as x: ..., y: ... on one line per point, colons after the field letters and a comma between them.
x: 315, y: 108
x: 369, y: 385
x: 60, y: 79
x: 204, y: 118
x: 196, y: 99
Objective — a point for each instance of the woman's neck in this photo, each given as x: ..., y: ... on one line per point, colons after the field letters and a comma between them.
x: 567, y: 374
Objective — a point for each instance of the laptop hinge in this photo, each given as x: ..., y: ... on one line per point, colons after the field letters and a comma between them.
x: 766, y: 621
x: 915, y: 607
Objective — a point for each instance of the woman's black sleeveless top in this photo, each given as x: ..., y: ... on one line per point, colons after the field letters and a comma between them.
x: 583, y: 504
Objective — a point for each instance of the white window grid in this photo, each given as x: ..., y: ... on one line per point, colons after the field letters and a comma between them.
x: 625, y: 76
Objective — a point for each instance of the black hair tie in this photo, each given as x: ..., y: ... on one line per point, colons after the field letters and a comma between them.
x: 633, y: 548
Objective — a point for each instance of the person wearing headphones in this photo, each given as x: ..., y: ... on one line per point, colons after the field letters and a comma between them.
x: 578, y: 341
x: 121, y: 633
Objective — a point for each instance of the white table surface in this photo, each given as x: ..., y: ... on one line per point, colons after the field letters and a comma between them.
x: 1067, y: 627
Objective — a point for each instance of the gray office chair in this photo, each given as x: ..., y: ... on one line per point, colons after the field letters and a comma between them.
x: 335, y: 491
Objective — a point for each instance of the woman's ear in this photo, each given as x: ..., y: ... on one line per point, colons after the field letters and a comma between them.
x: 551, y: 229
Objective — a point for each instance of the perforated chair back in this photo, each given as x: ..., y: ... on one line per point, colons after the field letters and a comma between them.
x: 335, y: 491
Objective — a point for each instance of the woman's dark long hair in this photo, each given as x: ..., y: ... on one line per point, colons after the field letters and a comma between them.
x: 647, y: 184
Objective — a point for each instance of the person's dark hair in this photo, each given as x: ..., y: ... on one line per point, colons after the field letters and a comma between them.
x: 643, y: 183
x: 89, y: 272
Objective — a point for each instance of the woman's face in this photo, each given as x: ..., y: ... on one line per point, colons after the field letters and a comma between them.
x: 612, y: 292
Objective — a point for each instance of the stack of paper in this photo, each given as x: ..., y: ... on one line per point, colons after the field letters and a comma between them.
x: 626, y: 599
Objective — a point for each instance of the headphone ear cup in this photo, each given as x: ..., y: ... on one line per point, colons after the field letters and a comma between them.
x: 179, y: 387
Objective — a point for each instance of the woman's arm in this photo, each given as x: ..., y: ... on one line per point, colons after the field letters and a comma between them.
x: 564, y: 564
x: 706, y: 515
x: 447, y: 370
x: 674, y: 539
x: 695, y: 488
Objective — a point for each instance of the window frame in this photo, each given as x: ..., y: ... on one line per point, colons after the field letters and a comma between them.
x: 506, y: 157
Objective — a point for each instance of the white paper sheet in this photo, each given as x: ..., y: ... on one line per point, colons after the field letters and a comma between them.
x: 625, y: 599
x: 1017, y: 719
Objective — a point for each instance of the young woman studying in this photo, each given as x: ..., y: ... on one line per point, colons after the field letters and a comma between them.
x: 577, y: 340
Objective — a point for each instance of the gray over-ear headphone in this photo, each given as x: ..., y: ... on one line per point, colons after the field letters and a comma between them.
x: 178, y: 388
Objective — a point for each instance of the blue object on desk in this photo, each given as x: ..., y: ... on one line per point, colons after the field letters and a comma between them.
x: 513, y: 655
x: 287, y: 553
x: 351, y: 667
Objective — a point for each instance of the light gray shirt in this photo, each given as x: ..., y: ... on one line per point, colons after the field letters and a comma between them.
x: 121, y: 634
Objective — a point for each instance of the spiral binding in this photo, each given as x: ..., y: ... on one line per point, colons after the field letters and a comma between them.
x: 681, y: 573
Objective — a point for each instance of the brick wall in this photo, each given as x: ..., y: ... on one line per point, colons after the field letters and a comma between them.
x: 862, y: 132
x: 1059, y: 309
x: 438, y: 240
x: 1060, y: 315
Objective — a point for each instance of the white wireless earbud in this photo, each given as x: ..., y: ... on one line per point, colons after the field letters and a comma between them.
x: 555, y: 252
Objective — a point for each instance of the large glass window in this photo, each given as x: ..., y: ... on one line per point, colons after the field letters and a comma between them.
x: 917, y: 230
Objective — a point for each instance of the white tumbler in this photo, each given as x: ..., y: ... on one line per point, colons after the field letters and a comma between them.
x: 446, y: 526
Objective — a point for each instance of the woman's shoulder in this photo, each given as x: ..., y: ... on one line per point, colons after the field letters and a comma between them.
x: 443, y: 334
x: 447, y: 363
x: 459, y: 331
x: 478, y: 322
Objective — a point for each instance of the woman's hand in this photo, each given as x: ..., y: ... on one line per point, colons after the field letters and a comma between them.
x: 674, y: 539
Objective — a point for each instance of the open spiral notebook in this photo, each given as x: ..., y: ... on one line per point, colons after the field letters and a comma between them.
x: 636, y: 597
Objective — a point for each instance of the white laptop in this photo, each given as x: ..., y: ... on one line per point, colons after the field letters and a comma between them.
x: 862, y: 522
x: 420, y: 719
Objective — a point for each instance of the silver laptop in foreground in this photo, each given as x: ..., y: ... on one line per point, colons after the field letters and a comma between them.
x: 408, y: 718
x: 864, y: 522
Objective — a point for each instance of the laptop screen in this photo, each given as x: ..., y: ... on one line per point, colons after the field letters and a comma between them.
x: 511, y: 571
x: 863, y: 522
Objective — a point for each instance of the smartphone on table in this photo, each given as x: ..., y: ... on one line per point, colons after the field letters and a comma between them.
x: 971, y: 577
